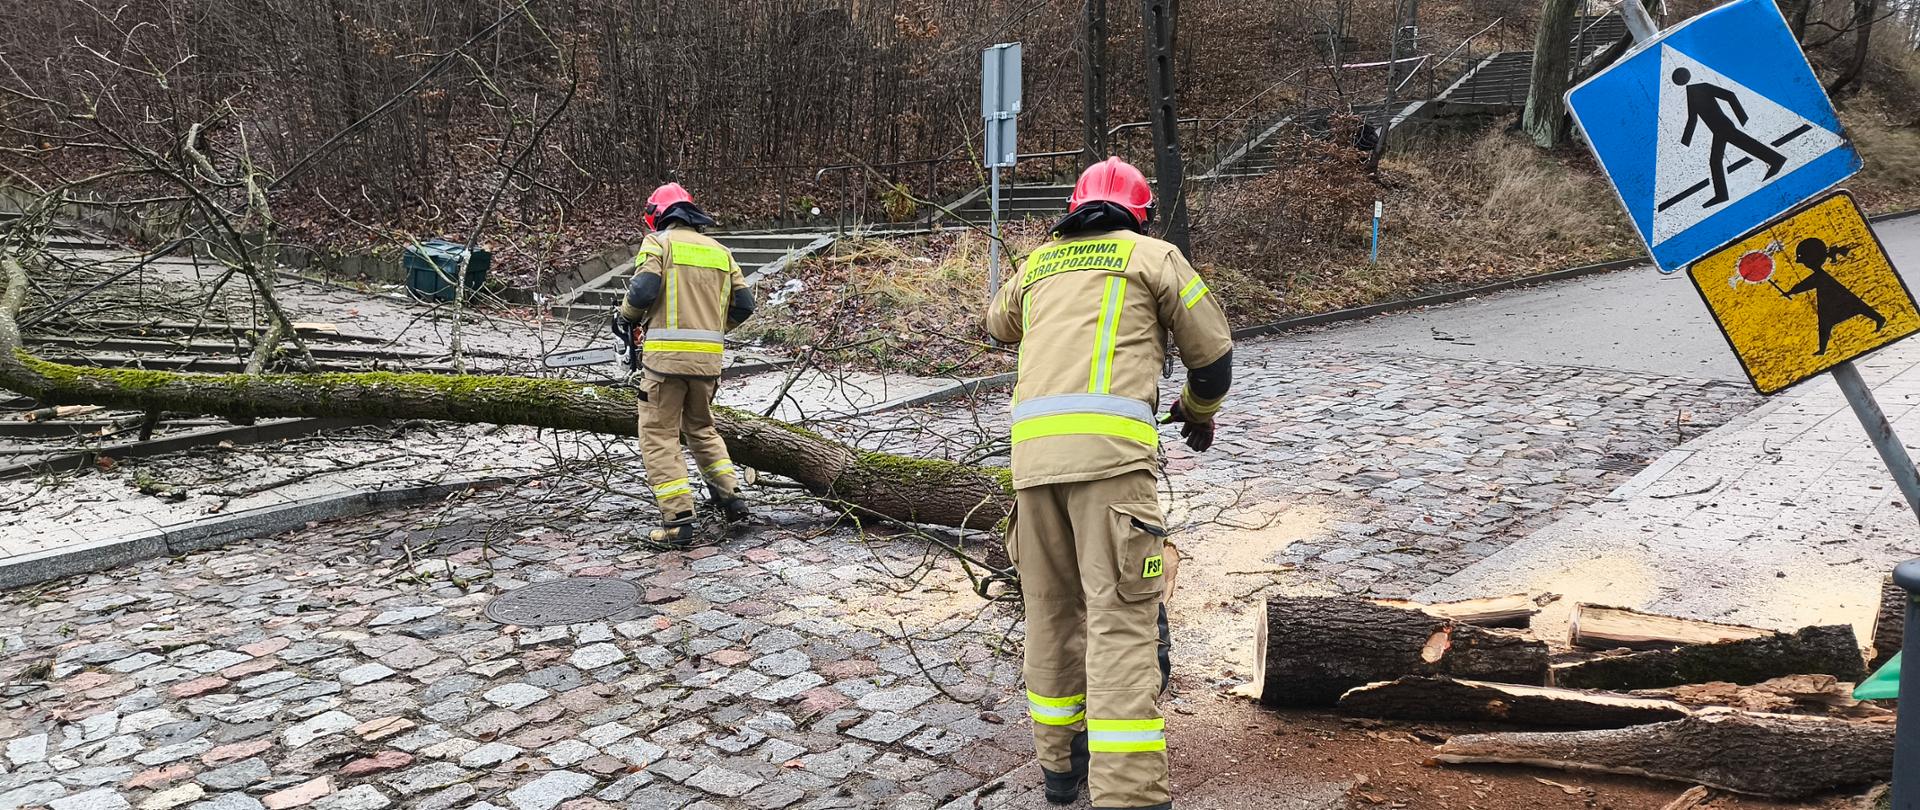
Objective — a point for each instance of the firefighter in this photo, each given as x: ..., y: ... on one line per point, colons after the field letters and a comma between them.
x: 686, y: 292
x: 1090, y: 310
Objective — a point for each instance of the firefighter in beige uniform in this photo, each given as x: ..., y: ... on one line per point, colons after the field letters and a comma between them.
x: 686, y: 292
x: 1091, y: 310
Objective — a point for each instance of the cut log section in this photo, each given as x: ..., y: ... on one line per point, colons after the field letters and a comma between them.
x: 1440, y: 698
x: 1825, y: 650
x: 1794, y: 694
x: 1598, y: 627
x: 1516, y: 610
x: 1889, y: 623
x: 1775, y: 756
x: 1313, y: 649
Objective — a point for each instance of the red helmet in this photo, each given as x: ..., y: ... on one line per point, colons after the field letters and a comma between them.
x: 1116, y: 181
x: 663, y: 198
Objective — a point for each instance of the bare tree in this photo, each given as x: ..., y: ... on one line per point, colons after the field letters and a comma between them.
x: 1545, y: 116
x: 1094, y: 81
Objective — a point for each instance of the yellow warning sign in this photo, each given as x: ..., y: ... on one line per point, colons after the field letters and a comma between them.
x: 1806, y: 293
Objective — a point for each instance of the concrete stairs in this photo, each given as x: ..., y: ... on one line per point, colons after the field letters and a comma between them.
x: 1261, y: 156
x: 1495, y: 83
x: 758, y: 253
x: 1040, y: 201
x: 1501, y: 80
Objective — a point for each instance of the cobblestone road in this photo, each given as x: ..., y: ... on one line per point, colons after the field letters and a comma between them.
x: 349, y: 665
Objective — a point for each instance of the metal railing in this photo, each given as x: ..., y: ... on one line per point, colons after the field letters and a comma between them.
x: 856, y: 185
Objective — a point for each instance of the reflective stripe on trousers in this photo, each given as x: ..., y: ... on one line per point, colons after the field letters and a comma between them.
x: 680, y: 486
x: 1085, y: 414
x: 1060, y: 711
x: 1126, y: 736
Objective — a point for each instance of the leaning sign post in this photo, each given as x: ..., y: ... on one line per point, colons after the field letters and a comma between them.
x: 1000, y: 107
x: 1715, y: 135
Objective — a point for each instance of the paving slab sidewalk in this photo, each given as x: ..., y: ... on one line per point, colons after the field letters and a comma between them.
x: 1780, y: 518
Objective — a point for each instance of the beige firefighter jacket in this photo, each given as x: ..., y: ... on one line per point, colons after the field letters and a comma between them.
x: 1091, y: 313
x: 686, y: 323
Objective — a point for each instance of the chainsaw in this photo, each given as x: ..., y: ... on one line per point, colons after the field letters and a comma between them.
x: 627, y: 353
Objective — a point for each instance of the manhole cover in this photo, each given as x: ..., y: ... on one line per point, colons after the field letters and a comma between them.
x: 564, y: 601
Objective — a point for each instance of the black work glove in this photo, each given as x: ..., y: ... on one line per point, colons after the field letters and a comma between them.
x: 1199, y: 435
x: 622, y: 328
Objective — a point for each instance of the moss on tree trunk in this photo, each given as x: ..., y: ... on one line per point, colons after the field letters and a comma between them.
x: 903, y: 488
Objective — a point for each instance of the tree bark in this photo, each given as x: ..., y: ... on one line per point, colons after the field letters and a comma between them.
x: 1545, y: 116
x: 1421, y: 698
x: 1824, y: 650
x: 1597, y: 627
x: 1863, y: 18
x: 908, y: 489
x: 1160, y: 20
x: 1094, y: 82
x: 1792, y: 694
x: 1796, y: 12
x: 1313, y: 649
x: 1889, y: 623
x: 1775, y: 756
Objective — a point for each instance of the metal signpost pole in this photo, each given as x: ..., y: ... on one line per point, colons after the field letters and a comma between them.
x: 1000, y: 107
x: 1639, y: 23
x: 993, y: 224
x: 1880, y: 432
x: 1906, y: 740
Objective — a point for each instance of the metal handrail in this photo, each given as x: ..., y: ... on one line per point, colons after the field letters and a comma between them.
x: 1468, y: 41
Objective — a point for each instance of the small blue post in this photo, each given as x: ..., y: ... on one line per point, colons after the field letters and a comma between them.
x: 1373, y: 255
x: 1906, y: 740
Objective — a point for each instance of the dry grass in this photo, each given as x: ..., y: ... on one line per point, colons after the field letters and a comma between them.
x: 902, y: 304
x: 1462, y: 209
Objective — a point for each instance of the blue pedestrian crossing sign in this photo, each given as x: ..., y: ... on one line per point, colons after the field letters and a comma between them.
x: 1712, y: 128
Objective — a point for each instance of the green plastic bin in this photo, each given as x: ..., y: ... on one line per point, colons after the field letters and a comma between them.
x: 1882, y: 685
x: 431, y: 266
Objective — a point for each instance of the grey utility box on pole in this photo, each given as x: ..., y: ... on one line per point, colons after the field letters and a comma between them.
x: 1000, y: 106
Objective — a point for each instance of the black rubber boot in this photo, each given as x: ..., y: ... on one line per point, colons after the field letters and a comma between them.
x: 681, y: 531
x: 734, y: 507
x: 1064, y: 788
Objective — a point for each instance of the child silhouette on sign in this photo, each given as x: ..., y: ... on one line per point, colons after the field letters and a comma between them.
x: 1703, y: 107
x: 1833, y: 303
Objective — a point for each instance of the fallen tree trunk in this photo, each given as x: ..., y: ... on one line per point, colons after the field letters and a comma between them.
x: 897, y: 487
x: 1889, y: 624
x: 1793, y: 694
x: 1313, y: 649
x: 1598, y: 627
x: 1775, y: 756
x: 1439, y: 698
x: 1515, y: 610
x: 1823, y: 650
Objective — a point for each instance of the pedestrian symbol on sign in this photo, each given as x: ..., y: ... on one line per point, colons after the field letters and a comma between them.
x: 1747, y: 142
x: 1711, y: 128
x: 1704, y: 107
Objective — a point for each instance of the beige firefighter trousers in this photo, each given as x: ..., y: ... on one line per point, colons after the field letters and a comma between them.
x: 677, y: 409
x: 1091, y: 558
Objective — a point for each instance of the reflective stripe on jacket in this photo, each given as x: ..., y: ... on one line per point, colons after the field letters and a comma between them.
x: 686, y: 324
x: 1091, y: 313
